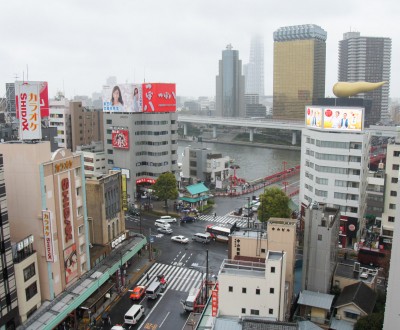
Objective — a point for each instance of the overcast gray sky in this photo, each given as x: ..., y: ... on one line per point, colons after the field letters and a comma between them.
x: 76, y: 44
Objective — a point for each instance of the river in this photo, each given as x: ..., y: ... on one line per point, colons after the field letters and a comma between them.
x: 254, y: 162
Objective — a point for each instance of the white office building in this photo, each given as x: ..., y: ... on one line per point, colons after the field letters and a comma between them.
x: 334, y: 170
x: 253, y: 288
x: 60, y: 117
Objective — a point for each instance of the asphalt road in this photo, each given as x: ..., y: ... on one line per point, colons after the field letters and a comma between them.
x: 184, y: 265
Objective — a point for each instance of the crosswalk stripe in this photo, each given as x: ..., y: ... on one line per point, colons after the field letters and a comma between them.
x: 177, y: 277
x: 179, y: 284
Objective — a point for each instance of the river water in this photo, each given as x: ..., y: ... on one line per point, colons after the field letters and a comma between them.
x: 254, y: 162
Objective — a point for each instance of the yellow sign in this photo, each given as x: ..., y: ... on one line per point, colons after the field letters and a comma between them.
x: 124, y: 194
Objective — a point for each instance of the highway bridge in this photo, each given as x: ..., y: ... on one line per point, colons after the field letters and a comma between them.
x: 252, y: 124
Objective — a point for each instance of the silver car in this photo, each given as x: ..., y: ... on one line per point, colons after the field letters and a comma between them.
x: 164, y: 230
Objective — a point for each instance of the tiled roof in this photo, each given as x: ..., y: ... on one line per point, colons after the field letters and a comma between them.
x: 359, y: 294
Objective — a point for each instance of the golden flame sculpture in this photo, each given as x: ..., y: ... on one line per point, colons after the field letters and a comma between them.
x: 345, y: 89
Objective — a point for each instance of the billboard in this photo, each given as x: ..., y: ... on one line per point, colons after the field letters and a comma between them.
x: 335, y: 118
x: 28, y: 106
x: 314, y: 117
x: 66, y: 211
x: 43, y: 92
x: 48, y: 236
x: 70, y: 263
x: 123, y: 98
x: 159, y: 97
x: 124, y: 194
x: 120, y: 138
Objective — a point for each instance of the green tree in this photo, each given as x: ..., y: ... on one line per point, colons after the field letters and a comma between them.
x: 373, y: 321
x: 166, y: 188
x: 274, y: 203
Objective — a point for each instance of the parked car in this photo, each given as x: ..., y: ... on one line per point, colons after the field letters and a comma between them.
x: 138, y: 292
x: 167, y: 218
x: 180, y: 239
x: 165, y: 230
x: 188, y: 218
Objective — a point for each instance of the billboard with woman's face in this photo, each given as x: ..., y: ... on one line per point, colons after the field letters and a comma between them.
x: 121, y: 98
x: 70, y: 263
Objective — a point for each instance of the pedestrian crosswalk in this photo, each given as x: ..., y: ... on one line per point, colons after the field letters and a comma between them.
x: 178, y: 278
x: 226, y: 219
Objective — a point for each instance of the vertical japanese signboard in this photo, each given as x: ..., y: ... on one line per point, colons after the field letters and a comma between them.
x: 48, y: 236
x: 214, y: 302
x: 124, y: 194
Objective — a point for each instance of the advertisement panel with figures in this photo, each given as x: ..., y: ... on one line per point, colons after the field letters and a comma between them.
x: 350, y: 119
x: 120, y: 138
x: 118, y: 98
x: 159, y: 97
x: 313, y: 117
x: 70, y: 263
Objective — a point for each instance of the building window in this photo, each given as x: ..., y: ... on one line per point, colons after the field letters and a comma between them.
x: 258, y: 291
x: 351, y: 315
x: 319, y: 237
x: 271, y: 290
x: 254, y: 312
x: 81, y: 230
x: 391, y: 219
x: 31, y: 291
x: 110, y: 152
x: 262, y: 250
x: 395, y: 167
x: 392, y: 206
x: 109, y: 141
x: 230, y: 289
x: 393, y: 193
x: 82, y: 248
x: 29, y: 272
x: 395, y: 180
x: 244, y: 290
x: 243, y: 310
x: 270, y: 311
x: 396, y: 153
x: 272, y: 269
x: 108, y: 121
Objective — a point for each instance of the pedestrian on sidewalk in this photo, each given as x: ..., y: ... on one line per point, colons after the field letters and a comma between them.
x: 148, y: 277
x: 215, y: 215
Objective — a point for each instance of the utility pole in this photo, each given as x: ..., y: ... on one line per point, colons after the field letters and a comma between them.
x: 150, y: 247
x: 206, y: 277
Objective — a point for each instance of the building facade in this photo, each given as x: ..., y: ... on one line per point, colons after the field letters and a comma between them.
x: 60, y: 117
x: 254, y: 70
x: 149, y: 147
x: 367, y: 59
x: 391, y: 199
x: 230, y: 85
x: 9, y: 316
x: 106, y: 218
x: 299, y: 69
x: 321, y: 231
x: 53, y: 210
x: 86, y: 125
x: 334, y: 170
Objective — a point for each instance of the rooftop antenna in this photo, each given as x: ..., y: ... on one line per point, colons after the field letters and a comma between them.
x: 16, y: 76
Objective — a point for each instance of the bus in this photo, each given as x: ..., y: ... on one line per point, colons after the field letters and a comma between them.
x: 221, y: 233
x: 372, y: 257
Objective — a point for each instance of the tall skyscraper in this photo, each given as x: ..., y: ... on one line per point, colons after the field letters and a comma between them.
x: 299, y: 69
x: 254, y: 70
x: 230, y: 85
x: 367, y: 59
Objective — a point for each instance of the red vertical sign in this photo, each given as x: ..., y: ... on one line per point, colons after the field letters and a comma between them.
x: 214, y: 302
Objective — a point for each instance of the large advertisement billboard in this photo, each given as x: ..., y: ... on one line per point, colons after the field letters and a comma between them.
x: 120, y: 138
x: 159, y: 97
x: 27, y: 97
x: 43, y: 95
x: 149, y: 97
x: 335, y: 118
x: 123, y: 98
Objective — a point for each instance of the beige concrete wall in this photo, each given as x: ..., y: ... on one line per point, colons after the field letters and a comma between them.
x: 25, y: 306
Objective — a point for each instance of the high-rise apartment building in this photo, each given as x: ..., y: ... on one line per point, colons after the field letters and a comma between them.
x: 8, y: 290
x: 230, y: 85
x: 299, y: 69
x: 254, y: 70
x: 367, y: 59
x: 334, y: 171
x: 10, y: 97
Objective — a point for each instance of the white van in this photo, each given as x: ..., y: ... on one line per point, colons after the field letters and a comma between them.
x: 162, y: 223
x: 153, y: 290
x: 202, y: 237
x: 134, y: 313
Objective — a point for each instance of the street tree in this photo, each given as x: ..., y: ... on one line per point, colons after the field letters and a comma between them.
x: 273, y: 203
x: 166, y: 188
x: 373, y: 321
